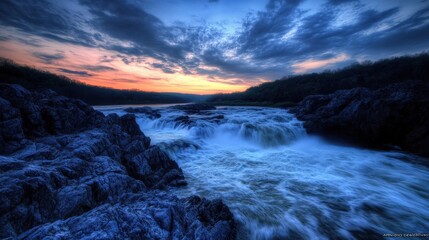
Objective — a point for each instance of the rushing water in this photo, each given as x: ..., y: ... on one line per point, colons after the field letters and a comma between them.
x: 281, y: 183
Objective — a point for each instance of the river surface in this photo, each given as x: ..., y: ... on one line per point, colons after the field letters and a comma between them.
x: 281, y: 183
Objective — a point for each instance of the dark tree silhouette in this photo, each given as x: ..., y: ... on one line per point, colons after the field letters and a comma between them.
x: 34, y: 79
x: 290, y: 90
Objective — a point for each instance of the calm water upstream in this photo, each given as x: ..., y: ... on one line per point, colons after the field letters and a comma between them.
x: 281, y: 183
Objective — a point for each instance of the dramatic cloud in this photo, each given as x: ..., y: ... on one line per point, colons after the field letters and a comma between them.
x: 43, y: 19
x: 163, y: 67
x: 98, y: 68
x: 221, y: 52
x: 312, y: 64
x: 338, y: 2
x: 49, y: 58
x: 127, y: 22
x: 74, y: 72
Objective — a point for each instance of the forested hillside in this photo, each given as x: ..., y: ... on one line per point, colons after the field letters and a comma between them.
x: 290, y: 90
x: 34, y: 79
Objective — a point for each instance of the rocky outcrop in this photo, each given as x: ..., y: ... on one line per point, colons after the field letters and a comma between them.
x: 184, y: 120
x: 145, y: 216
x: 150, y: 112
x: 187, y: 121
x: 67, y: 170
x: 396, y: 115
x: 196, y: 108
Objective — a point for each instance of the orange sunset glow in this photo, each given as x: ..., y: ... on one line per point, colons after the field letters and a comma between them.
x: 118, y: 75
x: 205, y: 47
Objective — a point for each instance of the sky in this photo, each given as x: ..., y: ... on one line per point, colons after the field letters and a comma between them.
x: 206, y: 46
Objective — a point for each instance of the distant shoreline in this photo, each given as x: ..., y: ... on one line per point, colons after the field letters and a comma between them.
x: 40, y: 80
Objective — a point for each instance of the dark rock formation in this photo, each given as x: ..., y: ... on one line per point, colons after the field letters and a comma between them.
x: 154, y: 216
x: 150, y: 112
x: 188, y: 121
x: 396, y: 115
x: 40, y: 114
x: 155, y: 169
x: 67, y: 170
x: 184, y: 120
x: 215, y: 118
x: 178, y: 145
x: 145, y: 216
x: 196, y: 108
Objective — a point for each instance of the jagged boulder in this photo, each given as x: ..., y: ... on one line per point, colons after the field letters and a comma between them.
x: 11, y: 132
x: 145, y: 216
x: 155, y: 168
x: 396, y: 115
x: 45, y: 113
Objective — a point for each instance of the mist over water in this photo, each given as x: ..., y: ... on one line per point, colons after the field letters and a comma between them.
x: 281, y: 183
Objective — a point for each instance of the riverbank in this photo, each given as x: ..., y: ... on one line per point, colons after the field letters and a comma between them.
x: 67, y: 170
x: 395, y: 116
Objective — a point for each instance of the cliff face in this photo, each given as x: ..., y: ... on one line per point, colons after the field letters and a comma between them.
x: 397, y: 114
x: 67, y: 170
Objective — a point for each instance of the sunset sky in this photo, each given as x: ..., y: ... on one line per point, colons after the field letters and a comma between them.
x: 206, y: 46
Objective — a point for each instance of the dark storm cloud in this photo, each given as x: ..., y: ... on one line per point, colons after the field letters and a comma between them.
x: 268, y: 25
x: 267, y: 44
x: 28, y: 41
x: 256, y: 38
x: 338, y: 2
x: 410, y: 34
x: 43, y: 19
x: 98, y: 68
x: 125, y: 80
x: 4, y: 38
x: 48, y: 58
x: 264, y: 37
x: 74, y: 72
x: 128, y: 22
x: 318, y: 35
x: 215, y: 57
x: 165, y: 68
x: 314, y: 35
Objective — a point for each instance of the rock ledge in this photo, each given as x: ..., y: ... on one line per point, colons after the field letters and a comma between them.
x: 67, y: 171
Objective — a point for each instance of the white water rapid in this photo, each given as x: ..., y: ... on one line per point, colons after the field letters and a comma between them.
x: 282, y: 184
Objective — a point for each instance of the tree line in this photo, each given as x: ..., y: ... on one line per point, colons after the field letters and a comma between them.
x: 35, y: 79
x: 290, y: 90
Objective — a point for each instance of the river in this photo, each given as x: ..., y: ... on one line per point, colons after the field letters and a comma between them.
x: 281, y: 183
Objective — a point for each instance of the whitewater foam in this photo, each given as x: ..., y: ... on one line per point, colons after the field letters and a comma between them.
x: 281, y: 183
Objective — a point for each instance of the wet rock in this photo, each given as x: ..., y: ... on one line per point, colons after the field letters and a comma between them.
x: 43, y: 115
x: 178, y: 145
x: 184, y: 120
x: 150, y: 112
x: 396, y: 115
x: 366, y: 234
x: 11, y: 132
x: 43, y: 191
x: 155, y: 168
x: 144, y: 216
x: 196, y: 108
x: 129, y: 125
x: 215, y: 118
x: 69, y: 171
